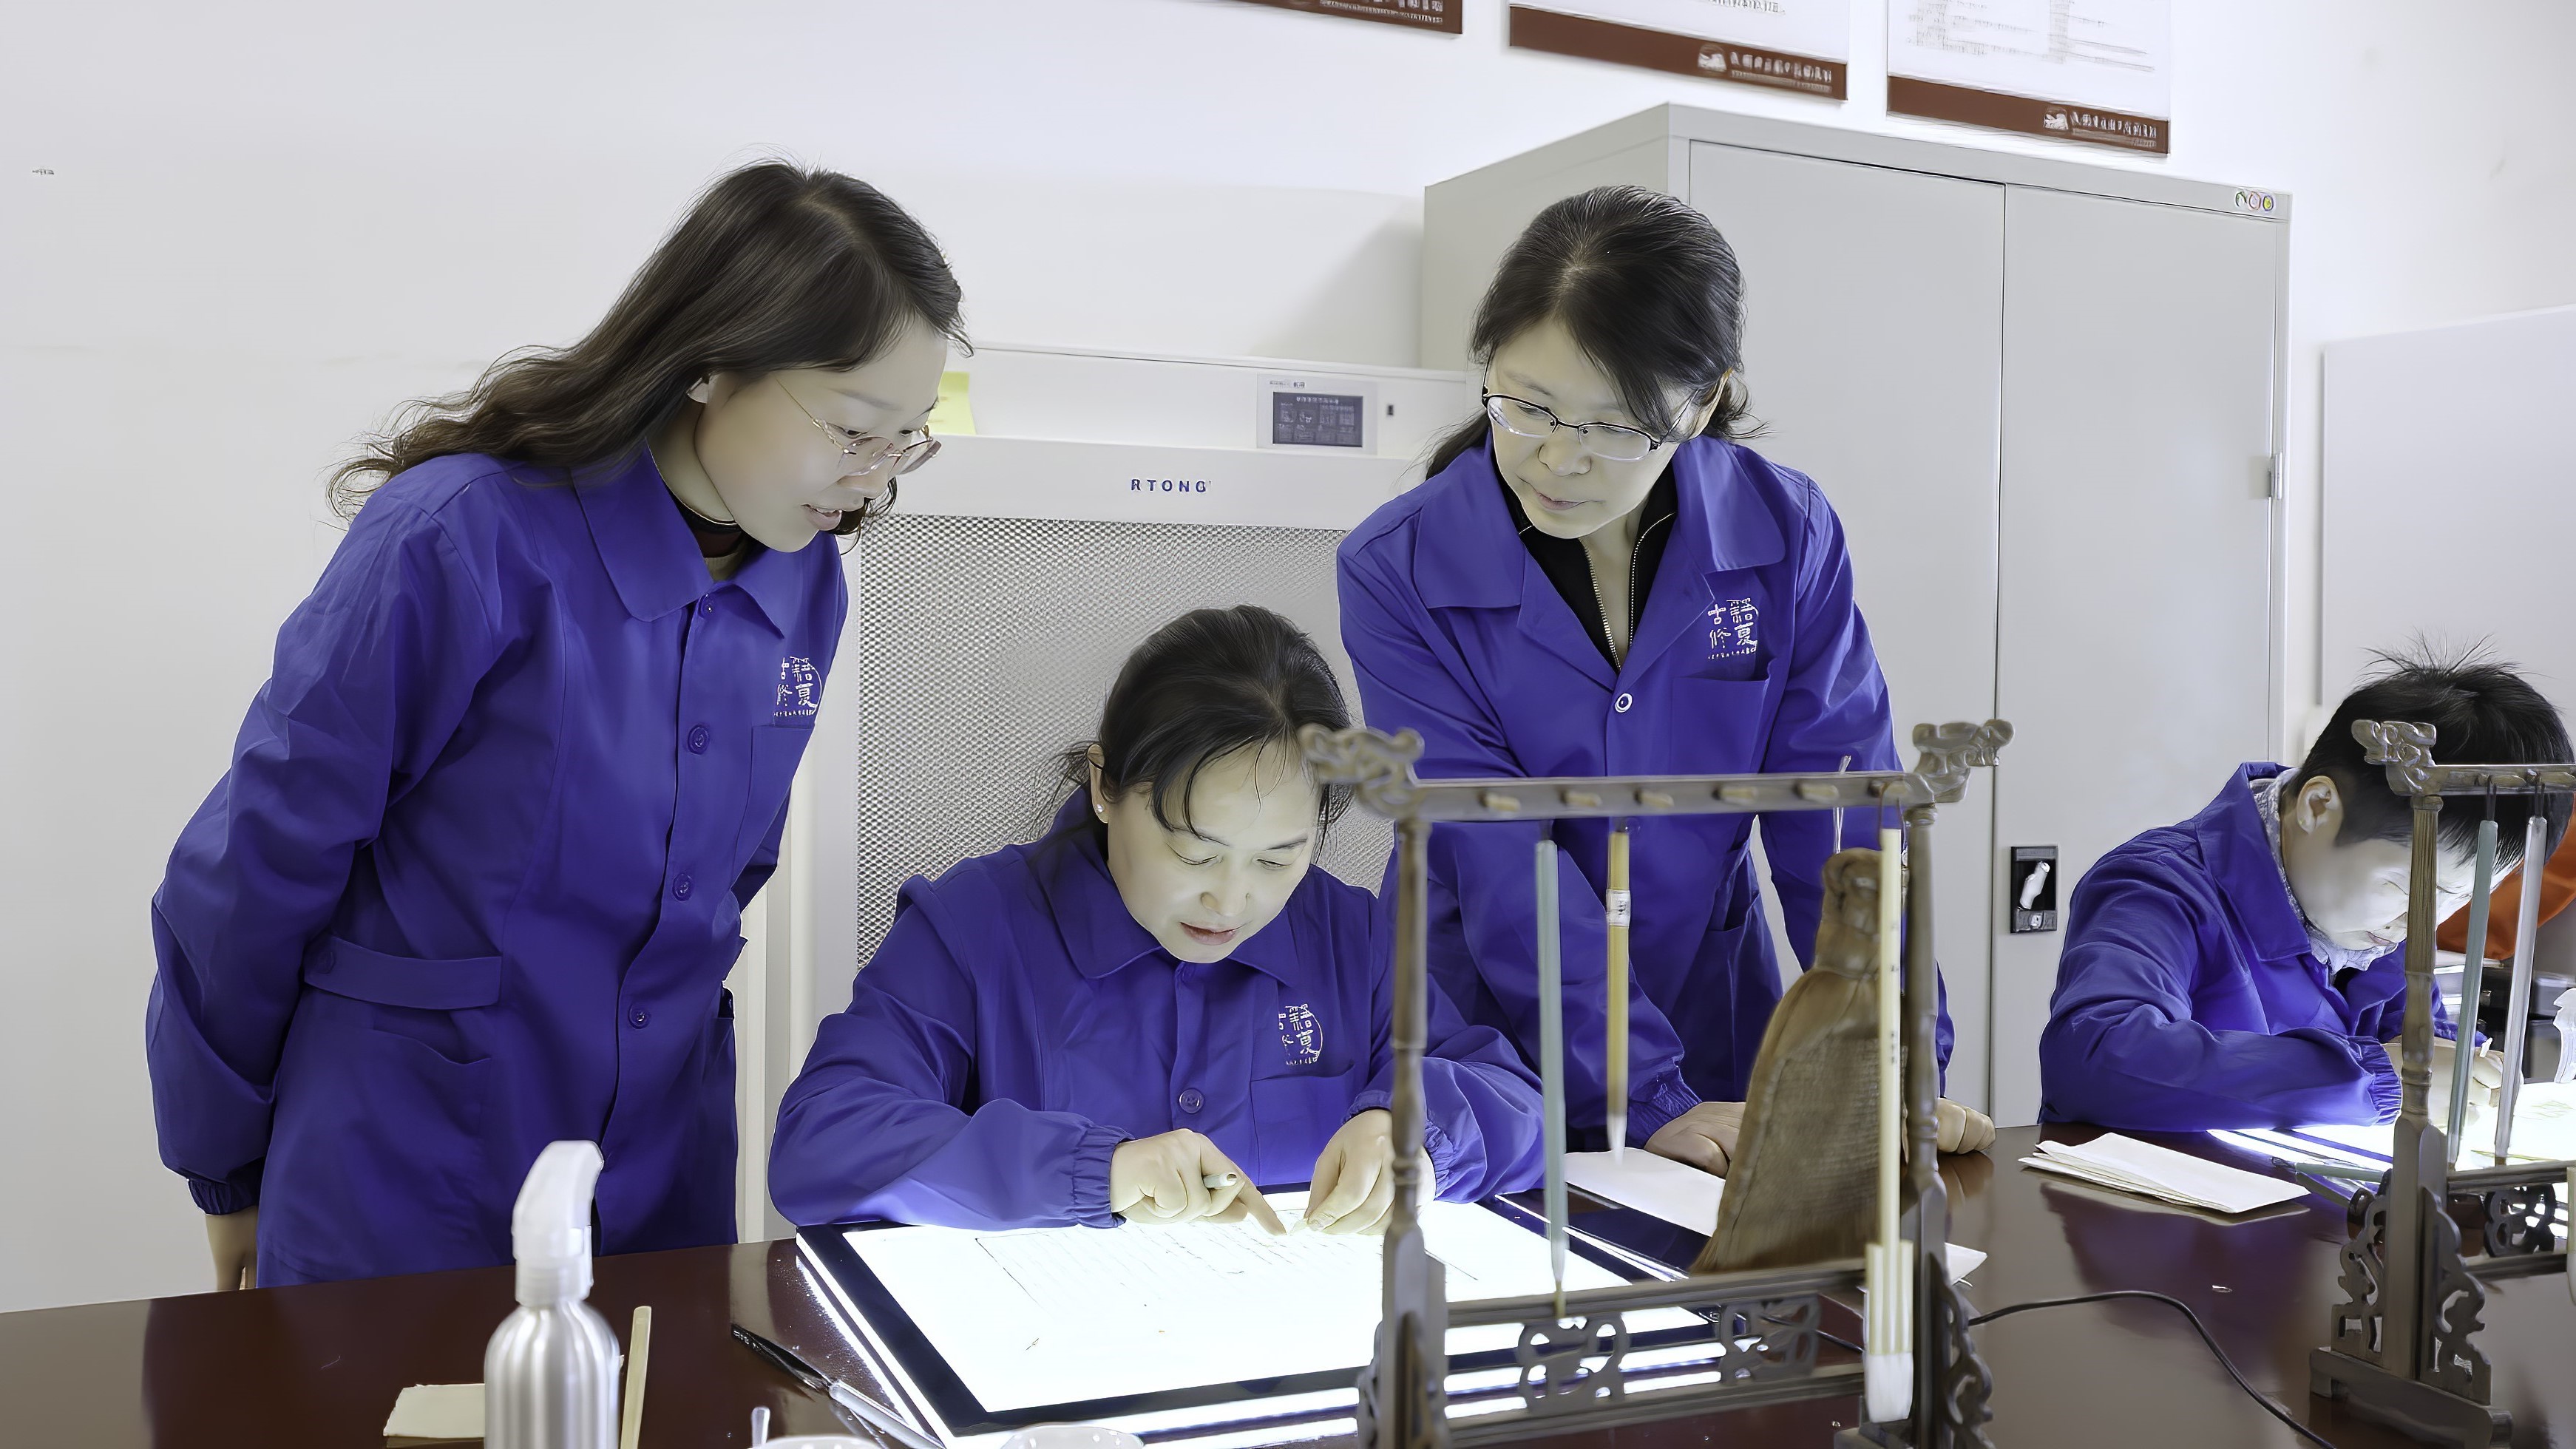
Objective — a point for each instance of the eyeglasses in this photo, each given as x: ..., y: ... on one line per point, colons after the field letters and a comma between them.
x: 868, y: 452
x: 1610, y: 442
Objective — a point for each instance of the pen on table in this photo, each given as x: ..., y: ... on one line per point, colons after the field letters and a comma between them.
x: 2325, y: 1185
x: 2344, y: 1170
x: 877, y: 1416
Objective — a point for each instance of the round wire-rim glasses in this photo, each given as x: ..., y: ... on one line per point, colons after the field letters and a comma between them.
x: 1610, y: 442
x: 877, y: 449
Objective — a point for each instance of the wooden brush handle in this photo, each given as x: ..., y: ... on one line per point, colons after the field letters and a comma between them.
x: 1615, y: 913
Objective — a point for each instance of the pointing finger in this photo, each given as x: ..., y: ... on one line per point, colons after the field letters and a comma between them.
x: 1262, y: 1212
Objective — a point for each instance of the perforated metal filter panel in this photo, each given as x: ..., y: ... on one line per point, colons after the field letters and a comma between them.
x: 984, y: 647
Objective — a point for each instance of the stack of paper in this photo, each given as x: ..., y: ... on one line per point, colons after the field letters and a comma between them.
x: 1676, y: 1192
x: 1684, y: 1196
x: 2129, y: 1165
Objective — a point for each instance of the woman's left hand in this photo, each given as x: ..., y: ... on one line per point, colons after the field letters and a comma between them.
x: 1703, y: 1137
x: 1962, y: 1129
x: 1353, y: 1187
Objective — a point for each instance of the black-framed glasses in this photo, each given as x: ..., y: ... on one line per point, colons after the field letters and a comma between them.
x: 1610, y: 442
x: 869, y: 452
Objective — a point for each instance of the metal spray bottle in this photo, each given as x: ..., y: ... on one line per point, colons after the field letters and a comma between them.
x: 550, y: 1372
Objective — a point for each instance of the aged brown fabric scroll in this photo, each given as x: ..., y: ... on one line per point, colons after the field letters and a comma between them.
x: 1805, y: 1170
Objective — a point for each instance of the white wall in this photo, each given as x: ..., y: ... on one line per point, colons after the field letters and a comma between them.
x: 261, y: 228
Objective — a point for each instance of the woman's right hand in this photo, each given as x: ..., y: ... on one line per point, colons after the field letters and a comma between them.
x: 234, y: 1237
x: 1163, y: 1180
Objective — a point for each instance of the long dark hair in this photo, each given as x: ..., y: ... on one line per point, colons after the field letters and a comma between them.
x: 1204, y: 686
x: 774, y: 267
x: 1650, y: 291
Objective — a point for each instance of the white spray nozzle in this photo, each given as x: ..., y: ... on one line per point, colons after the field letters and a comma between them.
x: 550, y: 1226
x: 2566, y: 1009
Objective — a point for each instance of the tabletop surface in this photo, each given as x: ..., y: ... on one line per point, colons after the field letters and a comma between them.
x: 319, y: 1364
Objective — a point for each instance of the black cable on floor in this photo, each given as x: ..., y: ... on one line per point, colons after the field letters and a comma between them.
x: 2257, y: 1395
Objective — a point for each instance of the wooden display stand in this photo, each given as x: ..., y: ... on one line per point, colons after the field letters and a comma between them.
x: 1572, y: 1353
x: 2402, y: 1347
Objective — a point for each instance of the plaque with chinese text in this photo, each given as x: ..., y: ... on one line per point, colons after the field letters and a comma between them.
x: 1441, y: 15
x: 1800, y: 46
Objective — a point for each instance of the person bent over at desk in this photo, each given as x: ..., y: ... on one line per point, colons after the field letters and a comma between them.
x: 2243, y: 968
x: 1158, y: 1006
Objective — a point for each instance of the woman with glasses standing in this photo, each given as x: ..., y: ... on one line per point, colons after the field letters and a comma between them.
x: 1596, y: 579
x: 473, y: 881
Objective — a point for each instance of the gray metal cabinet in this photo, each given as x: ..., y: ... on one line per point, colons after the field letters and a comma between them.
x: 1901, y: 436
x: 2043, y: 398
x: 2135, y: 602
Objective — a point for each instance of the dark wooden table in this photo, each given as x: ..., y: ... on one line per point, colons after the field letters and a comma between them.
x: 319, y: 1365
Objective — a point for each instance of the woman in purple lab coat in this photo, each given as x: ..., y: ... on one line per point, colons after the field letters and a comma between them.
x: 473, y: 879
x: 1157, y: 1008
x: 1597, y: 580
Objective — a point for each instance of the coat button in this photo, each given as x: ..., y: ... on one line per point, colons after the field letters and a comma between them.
x: 1192, y: 1099
x: 682, y: 887
x: 1624, y: 703
x: 640, y: 1019
x: 706, y: 607
x: 698, y: 740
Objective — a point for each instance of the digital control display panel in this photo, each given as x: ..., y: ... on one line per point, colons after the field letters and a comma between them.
x: 1312, y: 411
x: 1318, y: 419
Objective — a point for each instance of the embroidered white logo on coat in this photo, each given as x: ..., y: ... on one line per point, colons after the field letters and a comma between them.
x: 797, y: 681
x: 1301, y: 1034
x: 1734, y: 629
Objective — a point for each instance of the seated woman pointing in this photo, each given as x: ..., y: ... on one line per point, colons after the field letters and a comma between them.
x: 1159, y: 1006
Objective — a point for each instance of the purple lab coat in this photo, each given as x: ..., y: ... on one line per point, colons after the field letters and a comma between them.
x: 2188, y: 998
x: 1750, y: 655
x: 473, y: 879
x: 1018, y: 1024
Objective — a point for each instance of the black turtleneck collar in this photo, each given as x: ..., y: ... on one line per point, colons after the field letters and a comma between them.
x: 1570, y: 569
x: 715, y: 540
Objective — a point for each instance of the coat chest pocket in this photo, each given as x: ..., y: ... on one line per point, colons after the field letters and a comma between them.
x: 1721, y: 726
x: 1294, y: 1116
x: 775, y: 751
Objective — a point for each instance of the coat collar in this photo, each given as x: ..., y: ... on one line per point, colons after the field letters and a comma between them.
x: 1467, y: 554
x: 652, y: 558
x: 1478, y: 560
x: 1098, y: 932
x: 1724, y: 524
x: 2239, y: 855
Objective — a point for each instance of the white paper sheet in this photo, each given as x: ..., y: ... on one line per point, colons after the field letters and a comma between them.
x: 1684, y: 1196
x: 1061, y: 1315
x: 1651, y: 1183
x: 2129, y: 1165
x: 437, y: 1411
